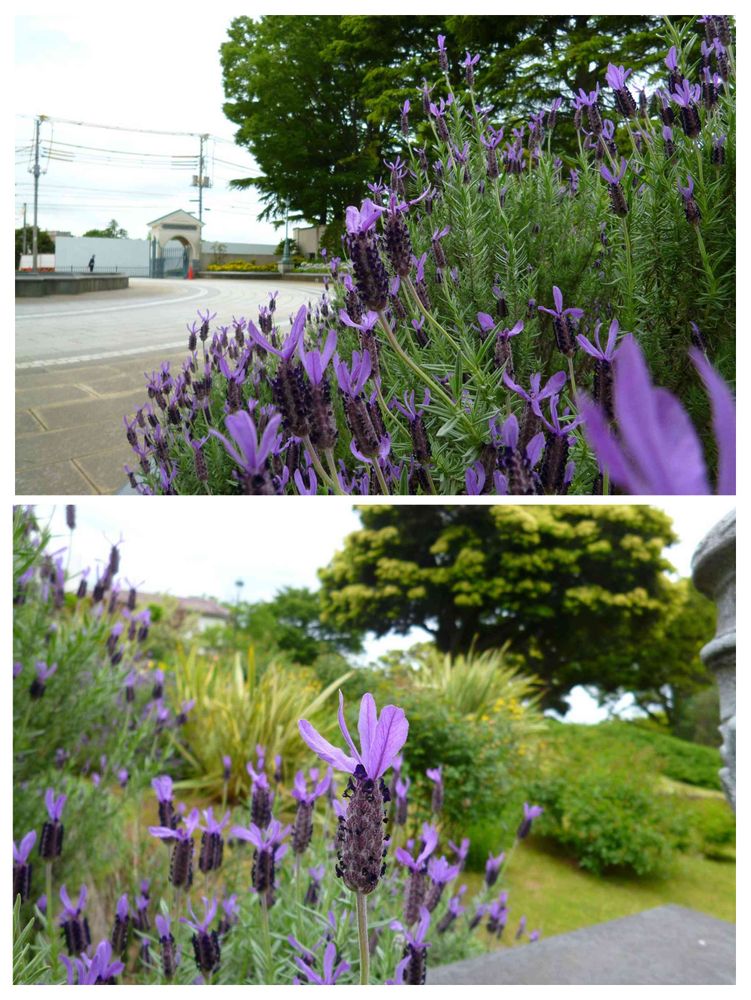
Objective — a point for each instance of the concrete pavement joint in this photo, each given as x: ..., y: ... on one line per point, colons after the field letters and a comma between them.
x: 82, y: 358
x: 74, y: 462
x: 38, y: 419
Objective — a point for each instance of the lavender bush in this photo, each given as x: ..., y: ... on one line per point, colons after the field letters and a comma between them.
x: 116, y: 879
x: 484, y: 293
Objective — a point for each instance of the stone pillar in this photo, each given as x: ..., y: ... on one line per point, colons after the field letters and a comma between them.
x: 713, y: 569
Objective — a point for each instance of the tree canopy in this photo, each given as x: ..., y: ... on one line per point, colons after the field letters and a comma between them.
x: 316, y: 98
x: 113, y: 231
x: 575, y: 589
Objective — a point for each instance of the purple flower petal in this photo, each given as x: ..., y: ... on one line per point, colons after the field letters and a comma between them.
x: 391, y: 735
x: 325, y: 750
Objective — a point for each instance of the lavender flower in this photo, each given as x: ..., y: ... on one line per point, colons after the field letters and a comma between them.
x: 211, y: 851
x: 657, y: 450
x: 603, y: 381
x: 119, y: 936
x: 251, y: 454
x: 75, y: 927
x: 530, y: 813
x: 616, y: 77
x: 170, y: 956
x: 21, y: 867
x: 96, y: 971
x: 687, y: 97
x: 260, y: 802
x: 492, y: 868
x: 314, y: 886
x: 303, y: 832
x: 206, y: 947
x: 269, y: 850
x: 415, y: 950
x: 162, y: 785
x: 417, y: 866
x: 617, y: 197
x: 435, y: 774
x: 401, y: 787
x: 454, y: 910
x: 440, y: 873
x: 181, y: 862
x: 693, y: 215
x: 564, y: 334
x: 360, y: 840
x: 51, y: 840
x: 43, y: 674
x: 329, y: 973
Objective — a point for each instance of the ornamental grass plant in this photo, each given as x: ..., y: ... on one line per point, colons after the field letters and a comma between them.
x: 506, y: 317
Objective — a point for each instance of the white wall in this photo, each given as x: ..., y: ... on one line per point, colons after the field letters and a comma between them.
x: 75, y: 251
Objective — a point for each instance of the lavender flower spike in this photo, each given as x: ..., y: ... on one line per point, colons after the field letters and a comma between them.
x: 21, y: 866
x: 530, y: 813
x: 360, y: 841
x: 657, y: 450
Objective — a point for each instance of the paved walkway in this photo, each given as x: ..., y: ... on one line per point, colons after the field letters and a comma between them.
x: 70, y: 437
x: 80, y: 364
x: 669, y: 945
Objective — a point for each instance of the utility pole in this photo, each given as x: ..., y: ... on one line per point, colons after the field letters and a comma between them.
x: 36, y: 171
x: 200, y: 179
x: 25, y: 245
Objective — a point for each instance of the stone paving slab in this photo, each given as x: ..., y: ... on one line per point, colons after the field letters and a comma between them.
x: 69, y: 423
x: 669, y: 945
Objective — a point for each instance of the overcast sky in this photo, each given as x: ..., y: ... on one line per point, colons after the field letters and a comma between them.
x: 202, y: 546
x: 117, y: 68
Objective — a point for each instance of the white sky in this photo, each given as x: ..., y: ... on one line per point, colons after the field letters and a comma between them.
x: 108, y: 67
x: 202, y: 545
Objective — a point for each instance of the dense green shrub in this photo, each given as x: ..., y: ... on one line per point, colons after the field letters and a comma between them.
x: 712, y: 824
x: 678, y: 759
x: 609, y: 819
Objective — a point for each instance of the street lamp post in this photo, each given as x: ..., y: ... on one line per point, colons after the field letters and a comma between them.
x: 285, y: 264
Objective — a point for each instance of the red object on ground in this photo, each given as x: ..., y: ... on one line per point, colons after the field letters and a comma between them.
x: 190, y: 272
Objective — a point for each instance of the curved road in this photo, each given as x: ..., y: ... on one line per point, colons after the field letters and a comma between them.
x: 150, y: 315
x: 80, y: 363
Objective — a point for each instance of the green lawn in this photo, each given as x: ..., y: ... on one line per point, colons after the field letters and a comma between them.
x: 556, y: 896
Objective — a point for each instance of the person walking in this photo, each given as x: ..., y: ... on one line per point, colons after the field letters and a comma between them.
x: 91, y: 264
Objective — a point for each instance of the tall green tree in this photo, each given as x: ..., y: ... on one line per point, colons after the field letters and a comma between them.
x: 573, y: 588
x: 316, y: 98
x: 667, y: 671
x: 45, y: 243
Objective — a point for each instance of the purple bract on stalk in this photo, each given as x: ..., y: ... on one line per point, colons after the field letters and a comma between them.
x: 360, y: 842
x: 21, y: 866
x: 412, y: 969
x: 435, y: 774
x: 206, y: 947
x: 530, y: 813
x: 75, y: 926
x: 492, y: 868
x: 51, y: 840
x: 170, y: 955
x: 211, y: 852
x: 261, y: 797
x: 269, y: 849
x: 564, y: 333
x: 181, y: 862
x: 97, y: 971
x: 657, y: 450
x: 330, y: 971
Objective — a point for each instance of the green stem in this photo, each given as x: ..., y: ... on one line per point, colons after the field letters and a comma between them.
x: 429, y: 316
x: 573, y: 378
x: 267, y: 941
x: 362, y: 931
x: 379, y: 476
x: 433, y: 384
x: 333, y: 483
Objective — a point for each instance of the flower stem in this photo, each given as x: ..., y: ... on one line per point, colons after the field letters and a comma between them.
x: 333, y: 483
x: 362, y: 931
x: 380, y: 477
x: 267, y: 941
x: 572, y: 377
x: 433, y: 384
